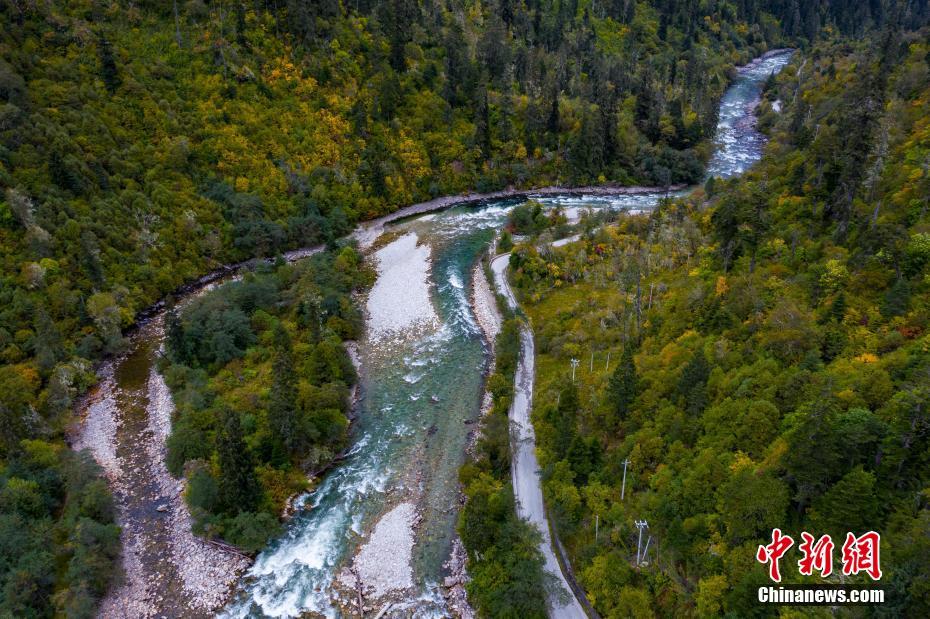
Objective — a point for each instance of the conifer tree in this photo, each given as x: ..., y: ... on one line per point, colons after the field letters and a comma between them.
x: 174, y: 337
x: 282, y: 409
x: 108, y: 69
x: 851, y: 504
x: 483, y: 125
x: 623, y: 385
x: 456, y: 63
x: 48, y: 345
x: 552, y: 125
x: 692, y: 386
x: 309, y: 316
x: 562, y: 418
x: 238, y: 486
x: 838, y: 307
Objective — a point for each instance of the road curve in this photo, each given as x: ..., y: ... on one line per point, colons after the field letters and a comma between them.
x: 524, y: 467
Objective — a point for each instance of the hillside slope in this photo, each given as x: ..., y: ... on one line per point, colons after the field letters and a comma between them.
x: 769, y: 354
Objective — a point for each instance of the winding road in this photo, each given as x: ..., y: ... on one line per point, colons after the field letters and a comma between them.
x: 525, y: 468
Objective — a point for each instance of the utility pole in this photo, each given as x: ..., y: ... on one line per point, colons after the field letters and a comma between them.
x: 592, y: 362
x: 623, y: 487
x: 607, y: 366
x: 640, y: 524
x: 646, y: 549
x: 575, y: 363
x: 597, y: 522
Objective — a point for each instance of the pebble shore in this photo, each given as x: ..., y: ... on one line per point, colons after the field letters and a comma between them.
x: 399, y: 304
x: 484, y: 304
x: 168, y: 571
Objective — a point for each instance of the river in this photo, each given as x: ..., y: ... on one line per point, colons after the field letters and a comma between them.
x: 424, y: 359
x: 422, y: 391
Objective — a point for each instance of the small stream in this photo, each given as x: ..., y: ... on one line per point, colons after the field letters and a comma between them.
x: 421, y: 393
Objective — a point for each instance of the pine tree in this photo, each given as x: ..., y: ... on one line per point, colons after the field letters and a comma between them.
x: 648, y: 106
x: 552, y: 124
x: 850, y: 505
x: 397, y: 18
x: 838, y: 307
x: 359, y: 116
x: 562, y: 418
x: 390, y: 96
x: 623, y: 385
x: 494, y: 52
x: 506, y: 242
x: 309, y: 316
x: 505, y: 129
x: 506, y: 11
x: 770, y: 83
x: 608, y: 129
x: 108, y: 69
x: 629, y: 11
x: 282, y: 409
x: 48, y: 345
x: 692, y: 386
x: 90, y: 257
x: 586, y: 151
x: 238, y: 486
x: 897, y: 299
x: 240, y: 24
x: 456, y: 65
x: 483, y: 126
x: 64, y: 174
x: 535, y: 125
x: 372, y: 169
x: 174, y: 338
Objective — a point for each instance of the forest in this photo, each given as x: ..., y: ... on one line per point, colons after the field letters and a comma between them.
x: 144, y: 143
x: 757, y: 352
x: 261, y: 380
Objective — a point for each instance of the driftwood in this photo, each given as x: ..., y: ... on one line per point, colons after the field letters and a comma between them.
x: 358, y: 591
x: 227, y: 548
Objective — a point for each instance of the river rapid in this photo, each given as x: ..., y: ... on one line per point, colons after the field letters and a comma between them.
x: 378, y: 530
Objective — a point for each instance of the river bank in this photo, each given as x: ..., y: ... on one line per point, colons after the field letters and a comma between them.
x: 484, y: 306
x: 403, y: 408
x: 124, y: 423
x: 168, y: 570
